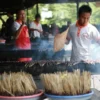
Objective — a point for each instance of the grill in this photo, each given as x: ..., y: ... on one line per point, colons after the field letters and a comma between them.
x: 35, y: 67
x: 45, y: 66
x: 44, y: 59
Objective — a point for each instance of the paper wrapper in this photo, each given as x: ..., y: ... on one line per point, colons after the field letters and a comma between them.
x: 60, y: 40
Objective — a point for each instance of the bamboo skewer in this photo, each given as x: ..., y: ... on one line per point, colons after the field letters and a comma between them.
x: 17, y: 84
x: 65, y: 83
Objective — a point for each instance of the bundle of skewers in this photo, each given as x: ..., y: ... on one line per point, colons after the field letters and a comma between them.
x: 67, y: 83
x: 17, y: 84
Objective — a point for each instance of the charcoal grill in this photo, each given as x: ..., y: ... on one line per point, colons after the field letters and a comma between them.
x: 9, y: 56
x: 44, y: 66
x: 34, y: 67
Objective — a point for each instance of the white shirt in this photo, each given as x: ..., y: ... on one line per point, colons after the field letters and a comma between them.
x: 16, y: 26
x: 34, y: 26
x: 81, y: 44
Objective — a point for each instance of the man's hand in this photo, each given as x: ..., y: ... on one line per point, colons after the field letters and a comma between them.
x: 36, y: 30
x: 23, y: 21
x: 39, y: 31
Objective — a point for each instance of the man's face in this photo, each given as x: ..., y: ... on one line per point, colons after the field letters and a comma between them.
x: 84, y: 18
x: 21, y: 15
x: 38, y: 19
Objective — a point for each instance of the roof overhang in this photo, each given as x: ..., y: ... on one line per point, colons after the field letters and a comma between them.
x: 12, y: 5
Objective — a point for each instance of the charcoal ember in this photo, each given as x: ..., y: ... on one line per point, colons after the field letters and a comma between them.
x: 5, y: 68
x: 33, y: 67
x: 50, y: 67
x: 35, y: 70
x: 42, y: 63
x: 61, y: 67
x: 30, y: 64
x: 11, y: 66
x: 16, y: 68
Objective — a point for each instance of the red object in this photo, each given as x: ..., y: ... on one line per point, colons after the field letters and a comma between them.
x: 79, y: 27
x: 37, y: 23
x: 23, y: 42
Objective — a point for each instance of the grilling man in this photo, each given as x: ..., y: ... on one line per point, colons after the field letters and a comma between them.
x: 82, y: 33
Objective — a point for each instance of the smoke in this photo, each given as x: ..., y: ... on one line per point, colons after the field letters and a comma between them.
x: 67, y: 49
x: 95, y: 51
x: 44, y: 51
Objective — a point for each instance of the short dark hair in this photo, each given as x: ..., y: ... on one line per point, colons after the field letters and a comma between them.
x: 18, y: 10
x: 84, y: 9
x: 37, y: 16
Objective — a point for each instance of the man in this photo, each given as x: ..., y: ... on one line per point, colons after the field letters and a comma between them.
x: 54, y: 29
x: 9, y: 23
x: 35, y: 27
x: 82, y: 33
x: 21, y: 33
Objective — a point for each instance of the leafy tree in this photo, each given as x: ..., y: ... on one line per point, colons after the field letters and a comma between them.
x: 64, y: 12
x: 61, y: 13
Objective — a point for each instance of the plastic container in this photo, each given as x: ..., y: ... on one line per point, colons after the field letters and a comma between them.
x: 78, y: 97
x: 31, y: 97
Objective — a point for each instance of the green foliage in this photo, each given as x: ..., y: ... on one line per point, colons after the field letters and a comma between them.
x: 61, y: 13
x: 95, y: 18
x: 4, y: 18
x: 64, y: 12
x: 31, y: 13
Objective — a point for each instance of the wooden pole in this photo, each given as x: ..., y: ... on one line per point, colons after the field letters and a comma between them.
x: 77, y: 7
x: 37, y: 8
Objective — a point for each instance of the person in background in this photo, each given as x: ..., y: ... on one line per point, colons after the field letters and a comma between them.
x: 8, y: 26
x: 35, y: 27
x: 54, y: 29
x: 82, y: 33
x: 21, y: 33
x: 64, y: 27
